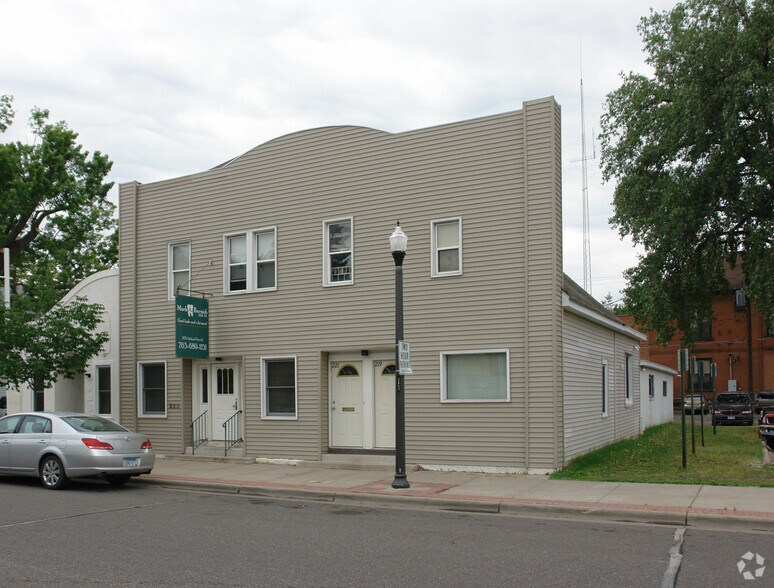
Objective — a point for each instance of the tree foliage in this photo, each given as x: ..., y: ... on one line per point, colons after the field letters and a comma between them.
x: 59, y: 226
x: 691, y: 148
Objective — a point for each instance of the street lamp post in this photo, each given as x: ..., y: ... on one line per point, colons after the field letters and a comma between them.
x: 398, y: 245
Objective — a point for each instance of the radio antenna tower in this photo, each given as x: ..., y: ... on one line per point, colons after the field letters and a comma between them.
x: 585, y: 178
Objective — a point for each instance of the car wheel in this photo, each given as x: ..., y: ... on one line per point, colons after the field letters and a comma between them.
x: 52, y: 473
x: 118, y: 479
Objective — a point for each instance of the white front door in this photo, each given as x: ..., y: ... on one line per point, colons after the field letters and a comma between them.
x: 384, y: 404
x: 347, y: 403
x: 224, y: 396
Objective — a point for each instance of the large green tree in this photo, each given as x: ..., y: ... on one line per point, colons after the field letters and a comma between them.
x: 691, y: 149
x: 57, y: 222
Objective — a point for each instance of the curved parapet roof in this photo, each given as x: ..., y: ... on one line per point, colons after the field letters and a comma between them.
x: 323, y: 133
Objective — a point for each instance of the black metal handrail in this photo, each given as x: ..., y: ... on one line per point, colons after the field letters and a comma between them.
x: 231, y: 431
x: 198, y: 432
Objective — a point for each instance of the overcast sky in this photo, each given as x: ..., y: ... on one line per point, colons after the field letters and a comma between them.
x: 168, y: 88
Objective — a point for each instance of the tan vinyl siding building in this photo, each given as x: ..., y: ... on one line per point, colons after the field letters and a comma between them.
x: 290, y: 243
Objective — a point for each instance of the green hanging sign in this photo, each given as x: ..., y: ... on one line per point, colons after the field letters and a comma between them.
x: 192, y: 327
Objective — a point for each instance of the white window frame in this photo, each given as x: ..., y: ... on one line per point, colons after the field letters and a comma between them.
x: 434, y: 271
x: 651, y: 386
x: 95, y: 376
x: 264, y: 399
x: 444, y: 354
x: 605, y: 388
x: 140, y: 412
x: 628, y: 378
x: 170, y: 266
x: 255, y: 261
x: 327, y: 254
x: 251, y: 250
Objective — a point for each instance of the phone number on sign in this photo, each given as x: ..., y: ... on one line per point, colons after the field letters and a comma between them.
x: 192, y: 346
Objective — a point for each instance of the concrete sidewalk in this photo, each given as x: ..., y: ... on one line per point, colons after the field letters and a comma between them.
x: 737, y: 507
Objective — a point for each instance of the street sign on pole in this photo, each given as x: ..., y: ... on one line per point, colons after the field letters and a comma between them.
x: 404, y: 358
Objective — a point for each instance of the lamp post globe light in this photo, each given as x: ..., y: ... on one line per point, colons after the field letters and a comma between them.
x: 398, y: 245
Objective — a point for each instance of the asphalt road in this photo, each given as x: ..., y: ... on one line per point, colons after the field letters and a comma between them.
x: 95, y: 535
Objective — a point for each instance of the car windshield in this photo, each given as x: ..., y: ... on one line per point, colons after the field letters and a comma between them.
x: 766, y: 396
x: 91, y: 424
x: 733, y: 399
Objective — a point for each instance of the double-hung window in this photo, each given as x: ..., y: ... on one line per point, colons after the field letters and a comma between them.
x: 179, y: 256
x: 475, y: 376
x: 152, y: 392
x: 279, y: 399
x: 446, y: 245
x: 338, y: 252
x: 251, y: 261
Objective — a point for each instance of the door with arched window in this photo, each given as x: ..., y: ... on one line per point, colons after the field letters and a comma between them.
x: 347, y: 404
x: 384, y: 404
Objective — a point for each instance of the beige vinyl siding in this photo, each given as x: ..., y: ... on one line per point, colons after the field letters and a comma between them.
x: 503, y: 182
x: 628, y: 420
x: 586, y: 346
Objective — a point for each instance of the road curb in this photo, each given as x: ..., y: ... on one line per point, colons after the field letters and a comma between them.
x: 730, y: 521
x: 634, y: 514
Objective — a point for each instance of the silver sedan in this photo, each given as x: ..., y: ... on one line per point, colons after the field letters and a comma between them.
x: 58, y: 446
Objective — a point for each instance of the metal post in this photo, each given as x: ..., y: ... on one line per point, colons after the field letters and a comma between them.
x: 682, y: 361
x: 400, y: 480
x: 701, y: 393
x: 7, y: 276
x: 693, y: 392
x: 713, y: 373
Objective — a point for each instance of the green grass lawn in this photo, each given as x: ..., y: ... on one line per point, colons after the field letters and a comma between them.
x: 733, y: 457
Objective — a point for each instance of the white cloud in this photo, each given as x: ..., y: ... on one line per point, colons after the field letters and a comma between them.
x: 175, y: 87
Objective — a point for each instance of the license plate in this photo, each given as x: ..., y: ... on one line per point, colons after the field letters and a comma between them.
x: 131, y: 462
x: 730, y: 418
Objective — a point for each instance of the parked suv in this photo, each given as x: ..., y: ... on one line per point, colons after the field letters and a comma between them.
x: 764, y: 402
x: 732, y: 408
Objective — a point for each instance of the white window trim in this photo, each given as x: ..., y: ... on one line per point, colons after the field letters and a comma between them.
x: 326, y: 257
x: 140, y: 413
x: 507, y: 398
x: 251, y: 261
x: 434, y: 273
x: 170, y: 271
x: 628, y: 379
x: 264, y: 403
x: 113, y: 381
x: 254, y: 240
x: 651, y: 387
x: 605, y: 387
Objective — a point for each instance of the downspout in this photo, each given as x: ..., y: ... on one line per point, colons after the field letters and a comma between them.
x: 749, y: 345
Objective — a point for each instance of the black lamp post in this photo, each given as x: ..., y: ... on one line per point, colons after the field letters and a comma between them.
x: 398, y: 245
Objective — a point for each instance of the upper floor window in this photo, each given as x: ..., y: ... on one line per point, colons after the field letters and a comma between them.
x: 446, y: 245
x: 251, y: 261
x: 704, y: 330
x: 179, y: 261
x: 338, y: 252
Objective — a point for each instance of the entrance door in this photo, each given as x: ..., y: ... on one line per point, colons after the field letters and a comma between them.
x: 347, y: 404
x: 384, y: 404
x: 224, y: 400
